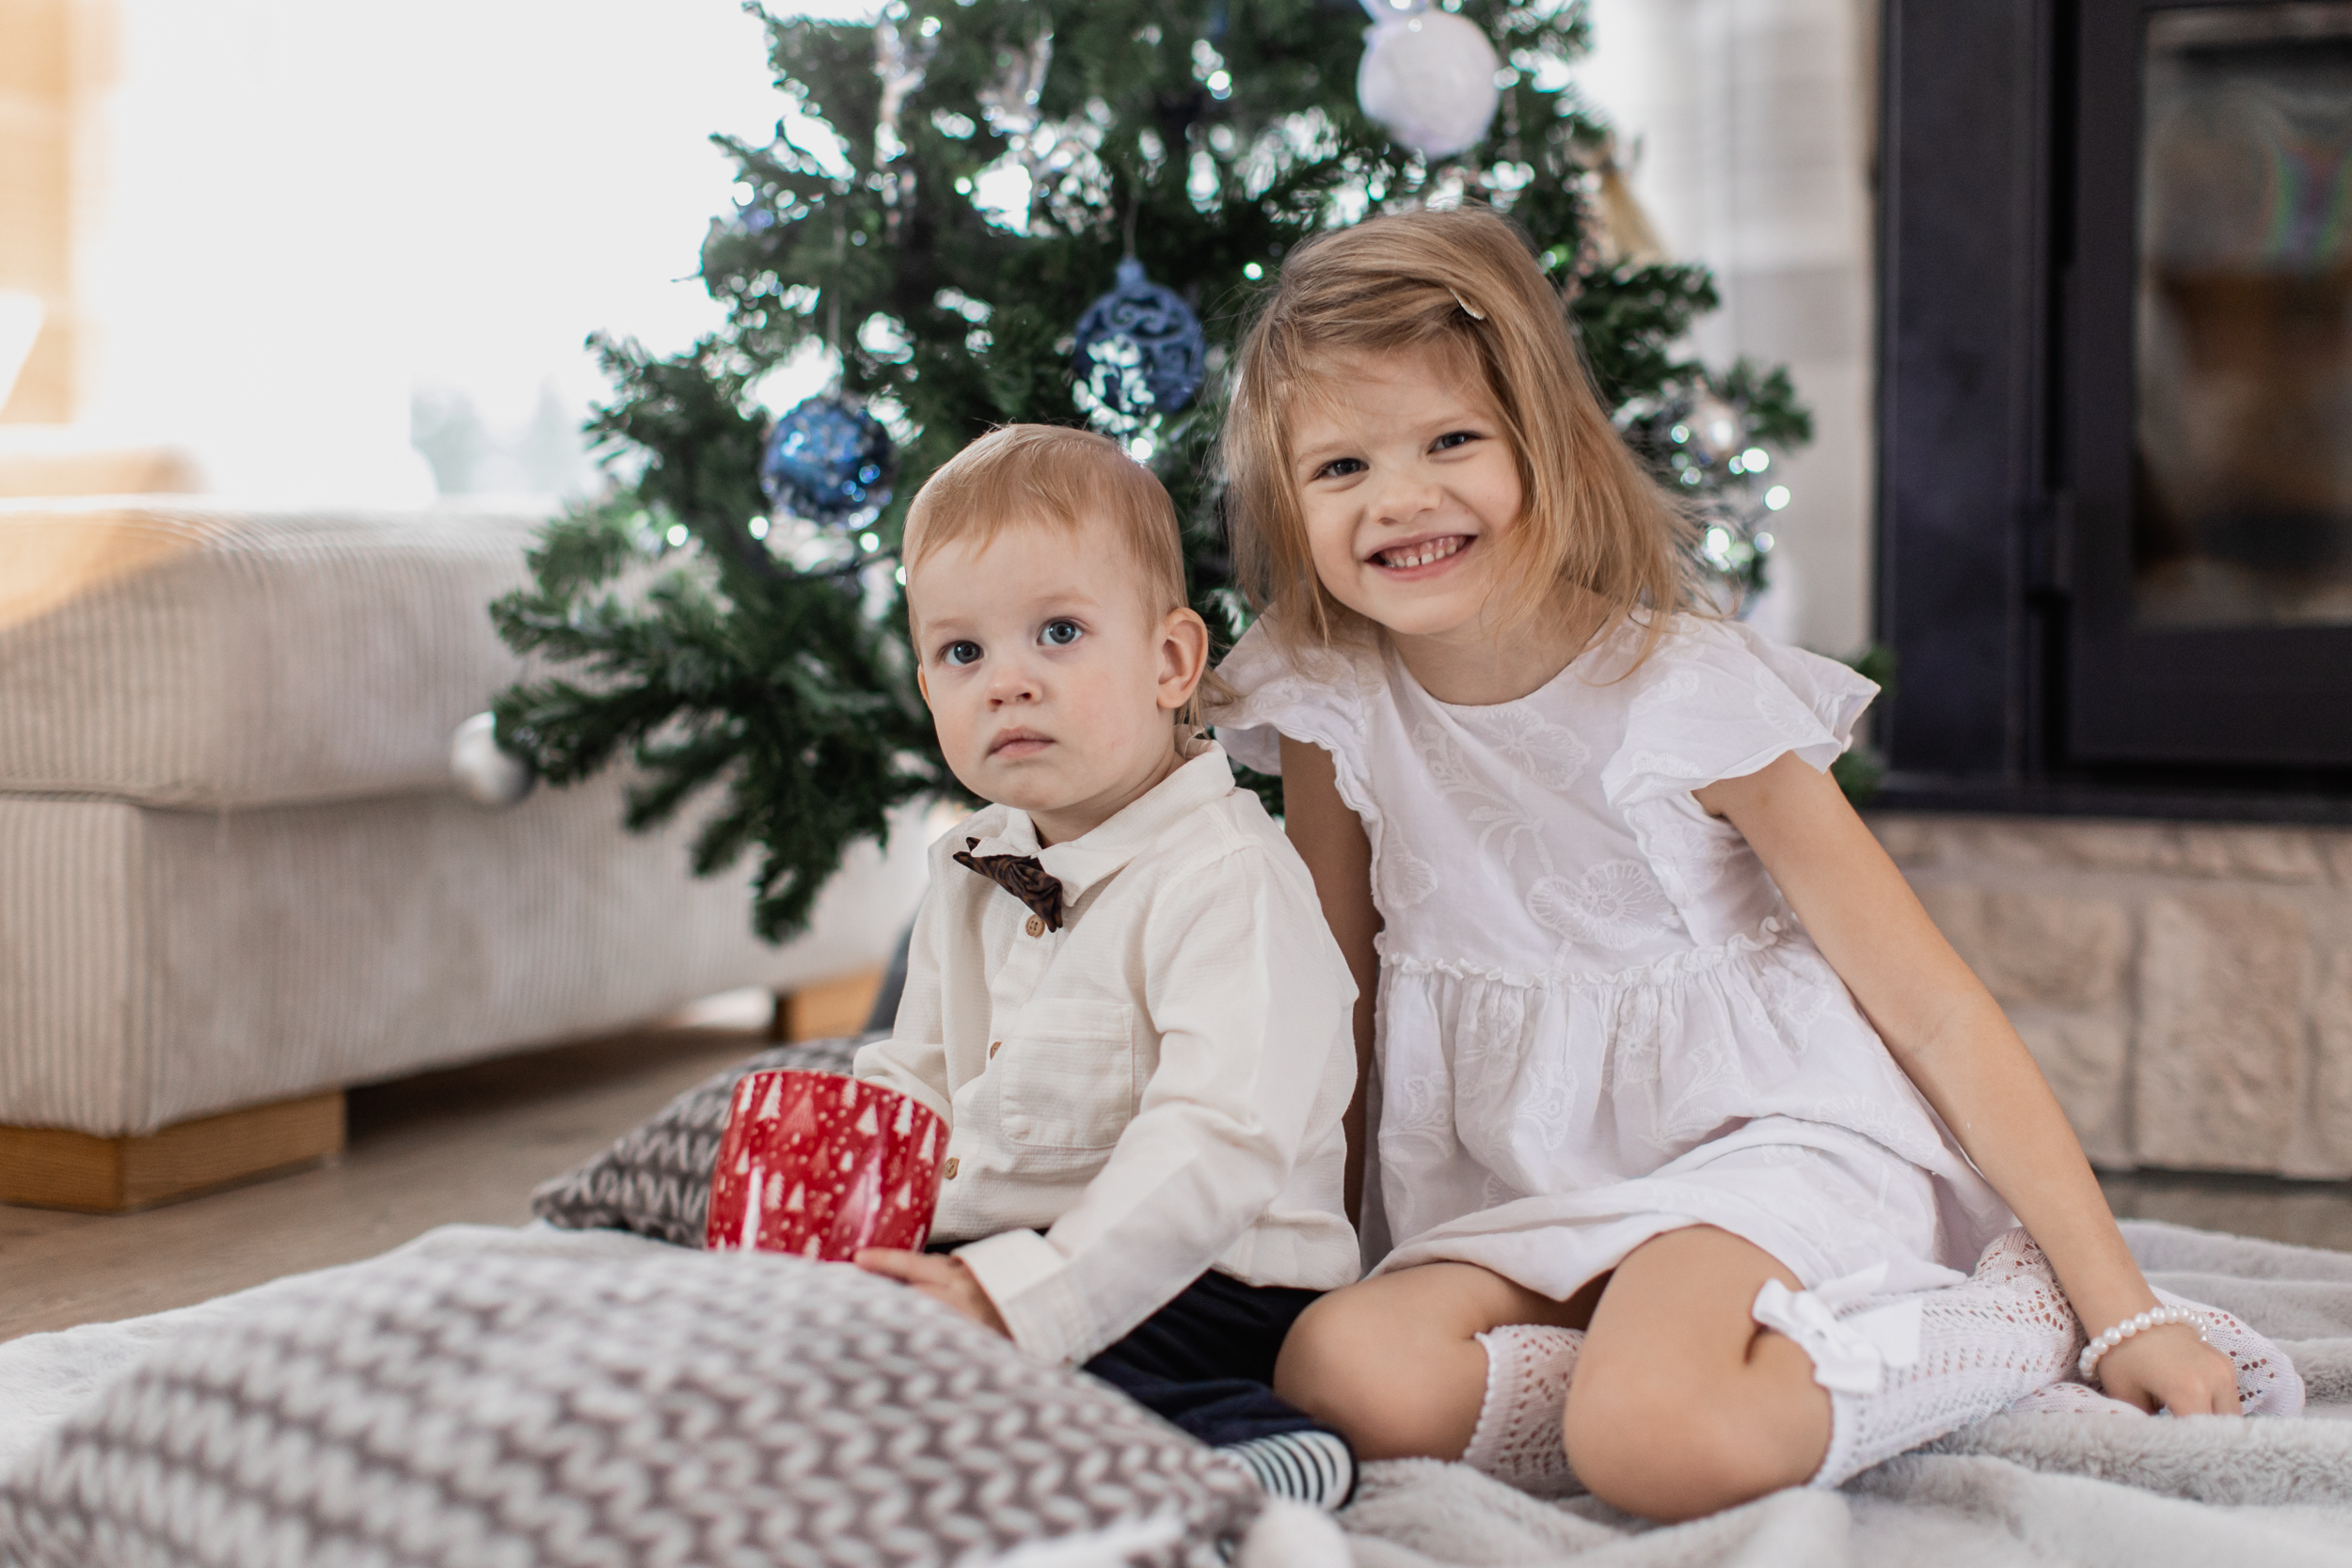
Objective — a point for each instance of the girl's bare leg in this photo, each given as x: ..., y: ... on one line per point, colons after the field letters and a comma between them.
x: 1682, y: 1403
x: 1394, y: 1362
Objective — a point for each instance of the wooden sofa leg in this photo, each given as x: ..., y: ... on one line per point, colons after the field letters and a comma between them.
x: 49, y: 1168
x: 826, y: 1008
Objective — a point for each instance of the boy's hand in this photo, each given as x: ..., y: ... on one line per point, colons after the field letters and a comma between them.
x: 945, y: 1281
x: 2166, y: 1369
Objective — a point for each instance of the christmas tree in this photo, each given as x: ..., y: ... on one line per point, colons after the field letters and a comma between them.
x: 948, y: 193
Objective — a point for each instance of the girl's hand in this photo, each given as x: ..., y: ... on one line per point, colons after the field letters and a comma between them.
x: 947, y: 1281
x: 2166, y: 1369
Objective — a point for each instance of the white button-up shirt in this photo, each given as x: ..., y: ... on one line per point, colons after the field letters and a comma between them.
x: 1153, y: 1091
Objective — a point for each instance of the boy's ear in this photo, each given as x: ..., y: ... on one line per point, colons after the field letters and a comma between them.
x: 1184, y: 657
x: 922, y: 684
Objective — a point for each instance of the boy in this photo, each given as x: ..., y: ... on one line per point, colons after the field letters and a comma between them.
x: 1120, y: 993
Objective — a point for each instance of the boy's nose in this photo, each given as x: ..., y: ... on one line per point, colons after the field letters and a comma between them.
x: 1011, y: 681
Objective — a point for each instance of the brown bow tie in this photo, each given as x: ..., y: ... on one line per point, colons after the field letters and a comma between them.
x: 1023, y: 876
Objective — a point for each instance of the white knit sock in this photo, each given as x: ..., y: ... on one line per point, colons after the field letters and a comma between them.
x: 1983, y: 1344
x: 2072, y: 1399
x: 1519, y: 1436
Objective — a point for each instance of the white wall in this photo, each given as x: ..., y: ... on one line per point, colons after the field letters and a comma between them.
x: 1754, y: 123
x: 318, y: 207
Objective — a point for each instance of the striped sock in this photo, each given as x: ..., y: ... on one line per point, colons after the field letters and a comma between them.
x: 1311, y: 1466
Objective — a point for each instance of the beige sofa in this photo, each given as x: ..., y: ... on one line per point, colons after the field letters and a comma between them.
x: 234, y: 872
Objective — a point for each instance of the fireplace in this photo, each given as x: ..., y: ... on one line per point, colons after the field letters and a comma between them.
x: 2116, y: 413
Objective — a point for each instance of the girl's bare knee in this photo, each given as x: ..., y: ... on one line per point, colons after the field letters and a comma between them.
x: 1670, y: 1469
x: 1314, y: 1363
x: 1352, y: 1363
x: 1671, y: 1459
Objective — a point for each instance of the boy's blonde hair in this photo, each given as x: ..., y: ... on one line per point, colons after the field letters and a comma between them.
x: 1465, y: 284
x: 1063, y: 478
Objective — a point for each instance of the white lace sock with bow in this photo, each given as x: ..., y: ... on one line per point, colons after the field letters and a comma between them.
x: 1904, y: 1371
x: 1518, y: 1437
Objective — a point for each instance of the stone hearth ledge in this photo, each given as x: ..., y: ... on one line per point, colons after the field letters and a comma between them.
x: 2187, y: 988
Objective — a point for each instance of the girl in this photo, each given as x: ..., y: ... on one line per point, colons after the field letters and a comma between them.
x: 1677, y: 1088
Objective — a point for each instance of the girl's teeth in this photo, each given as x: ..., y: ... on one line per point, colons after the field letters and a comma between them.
x: 1421, y: 555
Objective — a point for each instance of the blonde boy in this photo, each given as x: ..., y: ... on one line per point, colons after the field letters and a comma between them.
x: 1120, y: 993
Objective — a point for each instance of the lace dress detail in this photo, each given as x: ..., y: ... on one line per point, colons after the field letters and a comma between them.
x: 1599, y: 1020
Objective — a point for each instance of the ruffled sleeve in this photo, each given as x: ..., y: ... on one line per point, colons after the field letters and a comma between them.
x: 1717, y: 700
x: 1312, y: 696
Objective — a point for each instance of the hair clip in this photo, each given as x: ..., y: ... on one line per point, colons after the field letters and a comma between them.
x: 1473, y: 311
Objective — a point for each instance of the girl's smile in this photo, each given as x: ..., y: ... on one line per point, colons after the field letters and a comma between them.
x: 1419, y: 559
x: 1410, y: 491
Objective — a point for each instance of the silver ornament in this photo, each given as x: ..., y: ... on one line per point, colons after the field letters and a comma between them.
x: 483, y: 772
x: 1429, y: 77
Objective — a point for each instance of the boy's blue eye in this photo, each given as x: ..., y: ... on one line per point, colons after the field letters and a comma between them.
x: 1060, y: 634
x: 960, y: 653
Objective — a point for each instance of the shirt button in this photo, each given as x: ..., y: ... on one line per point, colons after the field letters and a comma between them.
x: 949, y: 1170
x: 994, y: 1047
x: 1037, y: 926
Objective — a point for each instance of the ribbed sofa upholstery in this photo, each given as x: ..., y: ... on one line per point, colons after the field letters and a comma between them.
x: 232, y: 867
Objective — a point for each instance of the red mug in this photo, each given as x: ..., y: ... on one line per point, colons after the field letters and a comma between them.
x: 821, y: 1165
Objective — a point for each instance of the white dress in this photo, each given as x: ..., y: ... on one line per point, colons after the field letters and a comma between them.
x: 1599, y: 1020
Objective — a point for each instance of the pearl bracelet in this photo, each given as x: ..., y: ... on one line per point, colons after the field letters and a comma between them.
x: 2152, y: 1317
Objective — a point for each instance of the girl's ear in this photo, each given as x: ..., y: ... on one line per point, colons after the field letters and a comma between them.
x: 1184, y: 657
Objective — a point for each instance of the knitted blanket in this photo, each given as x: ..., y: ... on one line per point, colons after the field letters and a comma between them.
x: 2013, y: 1489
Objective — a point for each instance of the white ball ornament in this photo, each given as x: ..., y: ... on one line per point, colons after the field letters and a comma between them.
x: 1429, y: 77
x: 483, y: 773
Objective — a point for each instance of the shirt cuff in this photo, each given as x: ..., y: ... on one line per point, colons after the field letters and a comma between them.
x: 1027, y: 1280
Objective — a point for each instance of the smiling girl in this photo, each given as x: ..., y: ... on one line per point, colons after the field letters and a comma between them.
x: 1687, y: 1116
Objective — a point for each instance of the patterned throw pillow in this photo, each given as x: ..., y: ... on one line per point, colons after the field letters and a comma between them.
x: 559, y: 1412
x: 656, y: 1179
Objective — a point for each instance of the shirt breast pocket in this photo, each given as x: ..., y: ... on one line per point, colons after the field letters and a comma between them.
x: 1067, y: 1075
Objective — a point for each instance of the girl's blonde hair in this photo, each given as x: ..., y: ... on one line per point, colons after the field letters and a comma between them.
x: 1463, y: 283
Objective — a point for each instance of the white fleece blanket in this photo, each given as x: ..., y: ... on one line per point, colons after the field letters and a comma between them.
x: 2014, y: 1489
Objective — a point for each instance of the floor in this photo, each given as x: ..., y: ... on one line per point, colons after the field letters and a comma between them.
x: 2308, y: 1213
x: 466, y: 1145
x: 469, y: 1144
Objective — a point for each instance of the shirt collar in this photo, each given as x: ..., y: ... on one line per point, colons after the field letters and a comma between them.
x: 1090, y: 857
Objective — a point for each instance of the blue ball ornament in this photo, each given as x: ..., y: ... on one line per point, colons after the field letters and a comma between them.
x: 1139, y: 347
x: 828, y: 461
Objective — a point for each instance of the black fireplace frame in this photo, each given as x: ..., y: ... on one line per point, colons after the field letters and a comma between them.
x: 1987, y: 580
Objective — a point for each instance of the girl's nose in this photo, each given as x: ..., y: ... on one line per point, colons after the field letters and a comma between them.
x: 1401, y: 496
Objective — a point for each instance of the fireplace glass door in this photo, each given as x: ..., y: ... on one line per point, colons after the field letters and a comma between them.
x: 2242, y: 512
x: 2208, y: 394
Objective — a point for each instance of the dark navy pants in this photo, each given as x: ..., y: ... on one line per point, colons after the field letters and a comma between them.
x: 1205, y: 1361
